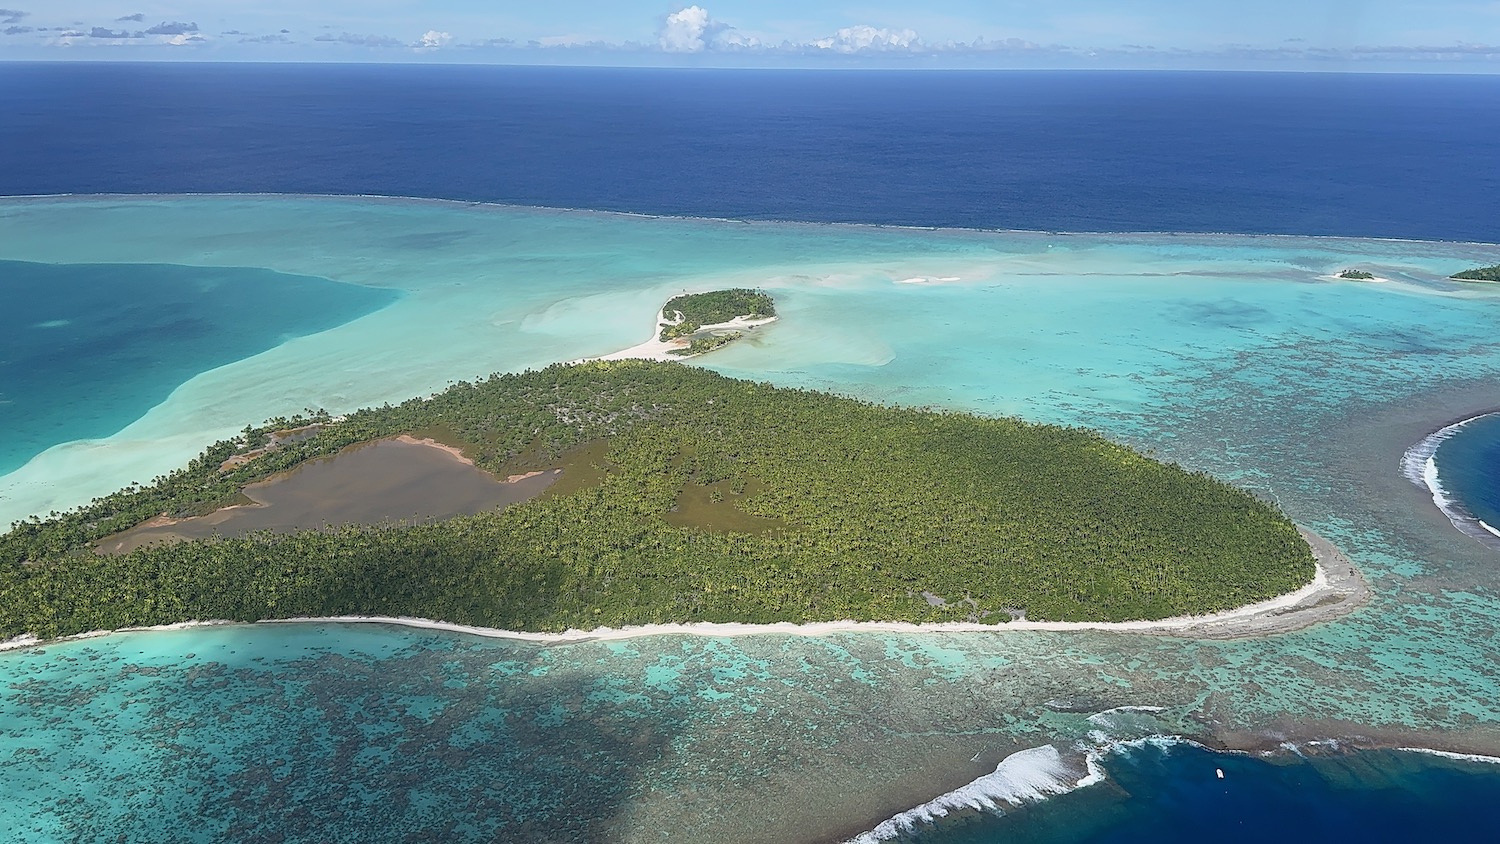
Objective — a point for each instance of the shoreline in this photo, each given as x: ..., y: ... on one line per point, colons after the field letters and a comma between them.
x: 410, y: 439
x: 1336, y: 590
x: 661, y: 350
x: 127, y: 540
x: 1336, y: 277
x: 1419, y: 466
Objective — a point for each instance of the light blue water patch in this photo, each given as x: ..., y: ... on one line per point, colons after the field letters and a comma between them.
x: 1049, y: 325
x: 89, y: 348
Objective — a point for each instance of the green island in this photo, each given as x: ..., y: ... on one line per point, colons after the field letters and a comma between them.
x: 1479, y: 274
x: 689, y: 313
x: 1357, y: 275
x: 682, y: 496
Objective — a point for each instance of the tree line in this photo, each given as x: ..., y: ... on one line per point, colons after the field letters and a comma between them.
x: 877, y: 505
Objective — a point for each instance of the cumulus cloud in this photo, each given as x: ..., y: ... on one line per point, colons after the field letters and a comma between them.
x: 173, y: 28
x: 101, y: 32
x: 689, y: 30
x: 433, y: 38
x: 360, y: 40
x: 12, y: 15
x: 855, y: 39
x: 274, y: 38
x: 185, y: 38
x: 694, y: 30
x: 138, y: 17
x: 18, y: 30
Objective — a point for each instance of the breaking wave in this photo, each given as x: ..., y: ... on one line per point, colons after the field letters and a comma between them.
x: 1038, y: 773
x: 1419, y: 465
x: 1026, y: 776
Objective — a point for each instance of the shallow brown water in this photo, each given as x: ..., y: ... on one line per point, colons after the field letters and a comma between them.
x: 373, y: 483
x: 714, y: 508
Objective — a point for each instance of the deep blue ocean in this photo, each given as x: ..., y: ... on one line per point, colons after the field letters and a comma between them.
x: 1166, y: 794
x: 1468, y: 465
x: 1324, y: 154
x: 1339, y: 154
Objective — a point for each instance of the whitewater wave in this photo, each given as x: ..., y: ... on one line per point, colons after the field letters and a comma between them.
x: 1446, y: 754
x: 1419, y: 465
x: 1039, y: 773
x: 1026, y: 776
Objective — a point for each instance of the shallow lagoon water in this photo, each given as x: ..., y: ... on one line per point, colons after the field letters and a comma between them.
x: 91, y: 347
x: 1227, y: 354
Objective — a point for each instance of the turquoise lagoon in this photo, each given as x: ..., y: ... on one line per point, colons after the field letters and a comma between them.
x: 91, y: 347
x: 1231, y: 354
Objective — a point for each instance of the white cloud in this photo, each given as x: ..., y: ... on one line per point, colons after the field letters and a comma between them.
x: 693, y: 29
x: 734, y: 40
x: 855, y: 39
x: 433, y: 38
x: 689, y: 30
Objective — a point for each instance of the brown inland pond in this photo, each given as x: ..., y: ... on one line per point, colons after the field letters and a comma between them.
x: 390, y: 480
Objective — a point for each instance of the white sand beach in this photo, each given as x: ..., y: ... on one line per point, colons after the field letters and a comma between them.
x: 658, y: 349
x: 1337, y: 589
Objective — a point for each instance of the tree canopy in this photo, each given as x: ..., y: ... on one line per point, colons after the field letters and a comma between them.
x: 686, y: 496
x: 1479, y: 274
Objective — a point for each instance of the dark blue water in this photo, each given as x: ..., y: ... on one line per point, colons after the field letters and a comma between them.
x: 1468, y: 464
x: 89, y: 348
x: 1345, y: 154
x: 1170, y: 795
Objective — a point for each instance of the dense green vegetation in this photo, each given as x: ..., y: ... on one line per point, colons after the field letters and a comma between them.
x: 1479, y: 274
x: 692, y: 311
x: 702, y: 345
x: 721, y: 305
x: 795, y: 506
x: 1356, y: 275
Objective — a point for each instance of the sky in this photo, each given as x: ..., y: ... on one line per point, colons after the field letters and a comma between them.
x: 1437, y: 35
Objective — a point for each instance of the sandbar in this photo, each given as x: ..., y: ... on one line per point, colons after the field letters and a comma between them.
x: 659, y: 349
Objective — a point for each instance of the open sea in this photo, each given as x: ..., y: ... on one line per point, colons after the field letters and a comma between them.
x: 188, y: 248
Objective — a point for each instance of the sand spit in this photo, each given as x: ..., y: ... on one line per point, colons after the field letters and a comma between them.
x: 444, y: 447
x: 1336, y: 590
x: 659, y: 349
